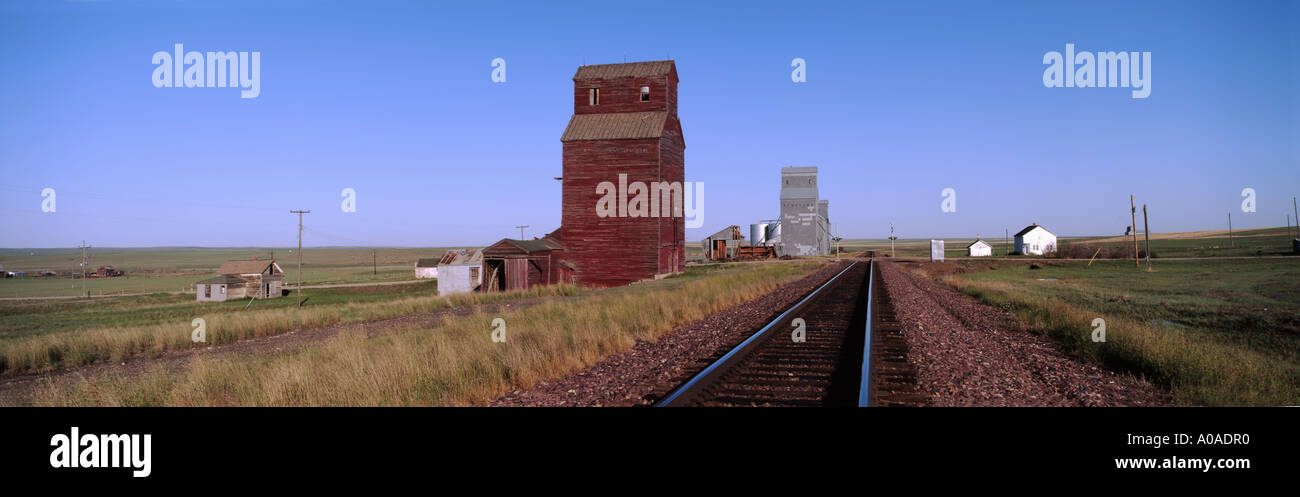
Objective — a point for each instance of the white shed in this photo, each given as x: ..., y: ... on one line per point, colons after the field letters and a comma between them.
x: 460, y: 271
x: 936, y: 250
x: 1035, y: 240
x: 979, y: 249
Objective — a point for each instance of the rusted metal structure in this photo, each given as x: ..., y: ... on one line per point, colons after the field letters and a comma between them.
x: 723, y: 245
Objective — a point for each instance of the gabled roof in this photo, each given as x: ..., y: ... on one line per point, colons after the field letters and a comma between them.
x: 528, y: 246
x: 248, y: 267
x: 625, y: 70
x: 729, y: 233
x: 224, y: 279
x: 615, y: 126
x: 977, y: 241
x: 1031, y: 228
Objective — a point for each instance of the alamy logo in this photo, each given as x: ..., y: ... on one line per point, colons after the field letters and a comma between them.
x: 658, y: 199
x: 101, y: 451
x: 215, y: 70
x: 1099, y: 70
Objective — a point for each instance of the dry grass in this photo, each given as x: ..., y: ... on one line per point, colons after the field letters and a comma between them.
x: 87, y: 346
x: 455, y: 363
x: 1197, y: 371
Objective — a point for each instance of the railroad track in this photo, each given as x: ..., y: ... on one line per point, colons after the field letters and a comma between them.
x: 848, y: 329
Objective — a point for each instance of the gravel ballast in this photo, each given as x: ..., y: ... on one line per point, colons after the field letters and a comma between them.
x: 631, y: 377
x: 970, y: 354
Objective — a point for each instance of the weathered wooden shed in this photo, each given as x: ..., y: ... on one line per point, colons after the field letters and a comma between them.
x: 510, y: 265
x: 979, y: 248
x: 262, y: 277
x: 723, y: 245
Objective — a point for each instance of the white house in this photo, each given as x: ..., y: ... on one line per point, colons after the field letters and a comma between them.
x: 979, y: 249
x: 460, y: 271
x: 1035, y: 240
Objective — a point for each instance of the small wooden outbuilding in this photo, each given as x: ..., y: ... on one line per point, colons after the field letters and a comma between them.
x: 262, y: 277
x: 979, y: 249
x: 723, y: 245
x: 510, y: 265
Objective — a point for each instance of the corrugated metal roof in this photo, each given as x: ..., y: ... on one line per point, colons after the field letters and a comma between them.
x: 625, y: 70
x: 729, y: 233
x: 461, y: 258
x: 247, y: 267
x: 616, y: 126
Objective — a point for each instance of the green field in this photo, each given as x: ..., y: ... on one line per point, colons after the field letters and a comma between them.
x: 1245, y: 243
x: 1216, y: 332
x: 176, y: 269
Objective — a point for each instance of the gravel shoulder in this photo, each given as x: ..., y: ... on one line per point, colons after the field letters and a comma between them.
x: 646, y: 371
x: 970, y: 354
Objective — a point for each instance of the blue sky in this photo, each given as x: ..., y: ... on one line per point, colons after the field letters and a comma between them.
x: 395, y: 100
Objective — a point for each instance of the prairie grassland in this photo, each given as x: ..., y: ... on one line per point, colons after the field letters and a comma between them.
x: 1215, y: 332
x: 224, y: 322
x: 172, y: 269
x: 454, y: 363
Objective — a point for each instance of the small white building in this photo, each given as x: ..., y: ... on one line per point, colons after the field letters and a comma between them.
x: 979, y: 249
x: 460, y: 271
x: 1035, y: 240
x: 936, y: 250
x: 221, y: 288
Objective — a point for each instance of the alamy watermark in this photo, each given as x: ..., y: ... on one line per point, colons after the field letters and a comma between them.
x: 182, y: 69
x: 498, y: 70
x: 658, y: 199
x: 349, y: 204
x: 949, y: 204
x: 48, y: 203
x: 1248, y: 200
x: 1098, y: 70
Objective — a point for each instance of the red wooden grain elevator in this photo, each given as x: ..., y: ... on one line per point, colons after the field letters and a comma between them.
x: 624, y: 123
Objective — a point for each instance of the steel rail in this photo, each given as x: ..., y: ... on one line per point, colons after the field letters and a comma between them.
x: 864, y: 391
x: 682, y: 394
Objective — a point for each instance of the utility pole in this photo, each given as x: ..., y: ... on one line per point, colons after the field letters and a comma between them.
x: 300, y: 213
x: 1231, y: 243
x: 1297, y: 218
x: 521, y: 231
x: 1006, y: 239
x: 837, y: 241
x: 1146, y: 233
x: 83, y: 269
x: 374, y: 263
x: 891, y: 238
x: 1133, y: 210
